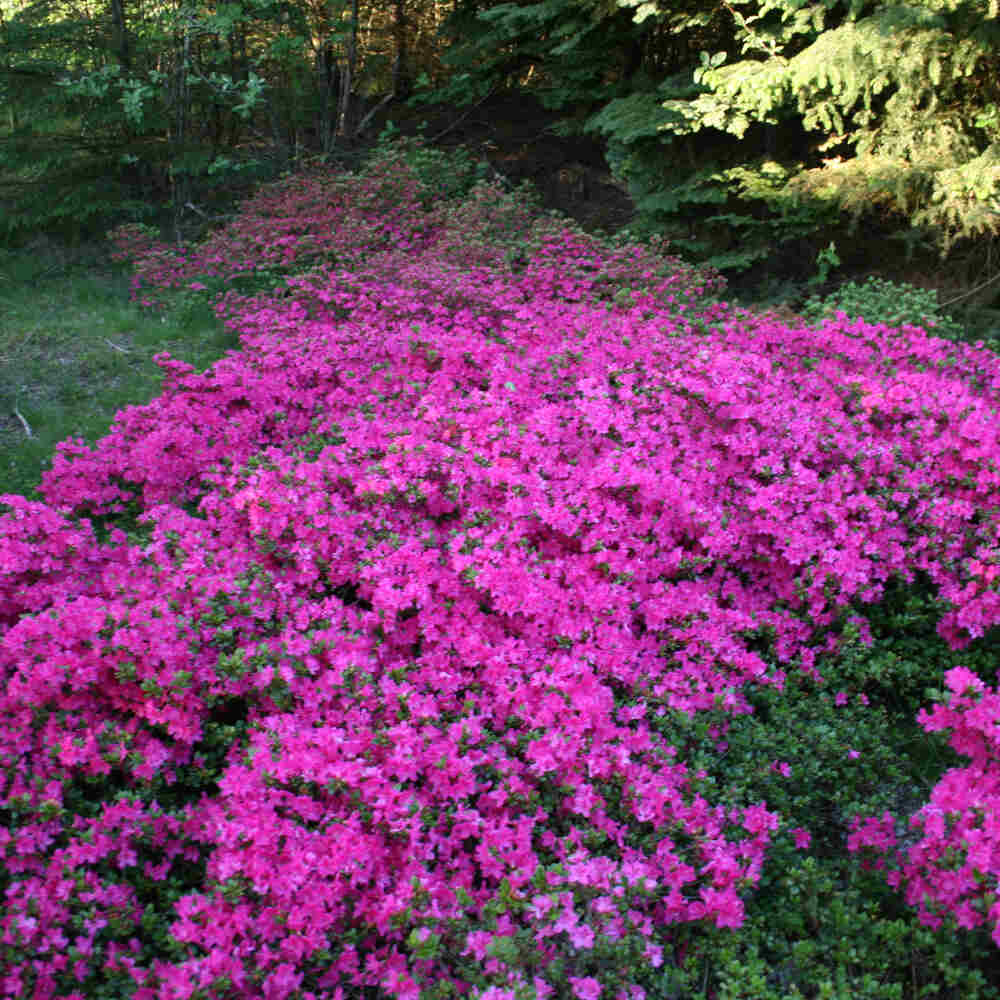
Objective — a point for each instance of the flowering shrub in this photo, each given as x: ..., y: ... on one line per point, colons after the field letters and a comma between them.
x: 953, y: 866
x: 388, y: 652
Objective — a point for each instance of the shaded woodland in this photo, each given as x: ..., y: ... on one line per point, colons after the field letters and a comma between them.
x: 751, y: 134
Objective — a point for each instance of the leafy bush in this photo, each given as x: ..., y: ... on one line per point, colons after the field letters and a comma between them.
x: 500, y: 628
x: 878, y: 300
x: 444, y: 173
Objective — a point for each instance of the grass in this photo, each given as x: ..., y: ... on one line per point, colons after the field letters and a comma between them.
x: 74, y: 350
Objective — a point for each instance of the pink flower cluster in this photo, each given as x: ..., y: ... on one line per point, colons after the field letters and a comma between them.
x: 954, y: 866
x: 309, y: 219
x: 449, y: 534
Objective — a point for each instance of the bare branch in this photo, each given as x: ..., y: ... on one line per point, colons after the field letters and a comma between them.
x: 24, y: 423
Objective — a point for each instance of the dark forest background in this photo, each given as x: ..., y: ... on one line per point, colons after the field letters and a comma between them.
x: 769, y: 138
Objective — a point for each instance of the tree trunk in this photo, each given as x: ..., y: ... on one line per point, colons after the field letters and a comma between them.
x: 326, y: 86
x: 347, y: 76
x: 400, y: 76
x: 119, y: 33
x: 178, y: 141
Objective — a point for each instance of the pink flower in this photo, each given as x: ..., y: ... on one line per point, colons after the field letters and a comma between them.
x: 654, y: 954
x: 878, y: 833
x: 963, y: 681
x: 586, y: 987
x: 281, y: 983
x: 725, y: 906
x: 756, y: 819
x: 581, y: 936
x: 432, y: 527
x: 802, y: 837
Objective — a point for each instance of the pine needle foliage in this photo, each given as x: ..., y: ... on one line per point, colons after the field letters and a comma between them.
x: 896, y: 105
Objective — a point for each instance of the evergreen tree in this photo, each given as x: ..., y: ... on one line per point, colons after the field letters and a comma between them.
x: 820, y: 108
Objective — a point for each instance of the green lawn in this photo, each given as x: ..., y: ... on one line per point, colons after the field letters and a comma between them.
x: 74, y: 350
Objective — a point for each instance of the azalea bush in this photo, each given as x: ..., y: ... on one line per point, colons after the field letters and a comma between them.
x: 502, y: 625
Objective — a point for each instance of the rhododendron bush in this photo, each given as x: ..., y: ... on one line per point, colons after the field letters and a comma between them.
x: 347, y: 664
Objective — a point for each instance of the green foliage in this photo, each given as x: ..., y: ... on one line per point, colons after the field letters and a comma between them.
x: 106, y: 117
x: 906, y: 651
x: 728, y: 219
x: 728, y: 210
x: 817, y: 924
x: 827, y: 260
x: 445, y: 174
x: 878, y: 300
x: 95, y: 140
x: 74, y: 350
x: 818, y: 937
x: 563, y: 47
x: 876, y: 110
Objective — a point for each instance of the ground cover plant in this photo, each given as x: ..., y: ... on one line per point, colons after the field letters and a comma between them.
x: 509, y: 617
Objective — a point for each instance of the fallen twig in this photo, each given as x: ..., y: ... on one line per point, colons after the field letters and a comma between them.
x: 972, y: 291
x: 371, y: 114
x: 24, y: 423
x: 122, y: 350
x: 458, y: 121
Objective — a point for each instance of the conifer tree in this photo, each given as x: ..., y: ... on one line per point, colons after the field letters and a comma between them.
x: 856, y: 107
